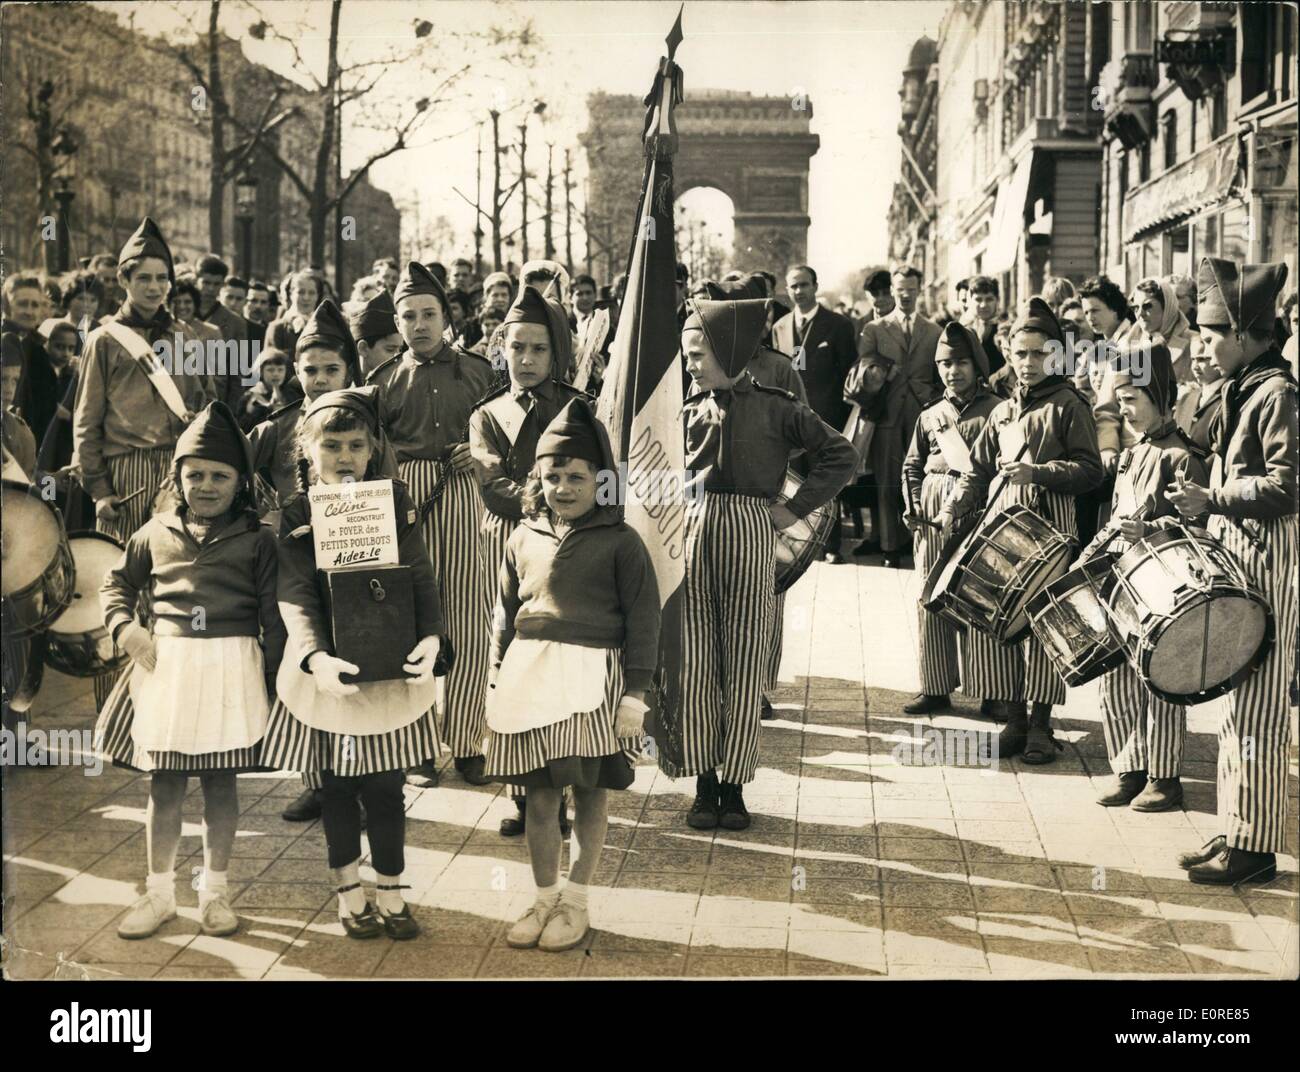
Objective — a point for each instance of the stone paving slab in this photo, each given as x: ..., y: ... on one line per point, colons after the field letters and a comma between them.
x: 856, y: 864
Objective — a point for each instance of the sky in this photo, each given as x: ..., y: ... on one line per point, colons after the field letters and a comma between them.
x: 846, y: 57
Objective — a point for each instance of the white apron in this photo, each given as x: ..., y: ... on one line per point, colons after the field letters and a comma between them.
x: 542, y: 682
x: 205, y: 694
x: 378, y: 706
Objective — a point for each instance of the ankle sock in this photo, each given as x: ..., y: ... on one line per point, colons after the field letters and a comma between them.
x: 548, y: 896
x: 162, y: 883
x: 390, y: 901
x: 576, y: 895
x: 213, y: 884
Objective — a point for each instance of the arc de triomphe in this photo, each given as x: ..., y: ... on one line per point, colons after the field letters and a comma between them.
x: 754, y: 149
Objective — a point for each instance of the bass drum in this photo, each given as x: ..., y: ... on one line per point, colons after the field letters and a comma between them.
x: 78, y: 643
x: 36, y: 568
x: 797, y: 546
x: 1193, y: 625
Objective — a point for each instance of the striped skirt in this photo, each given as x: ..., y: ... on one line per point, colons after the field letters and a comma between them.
x: 949, y: 657
x: 730, y: 600
x: 128, y: 473
x: 114, y: 742
x: 1256, y: 731
x: 588, y: 735
x: 1030, y: 674
x: 451, y: 534
x: 292, y: 745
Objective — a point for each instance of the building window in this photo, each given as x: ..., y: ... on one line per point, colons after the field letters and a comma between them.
x: 1138, y: 27
x: 1191, y: 128
x: 1144, y: 162
x: 1169, y: 138
x: 1284, y: 54
x: 1256, y: 22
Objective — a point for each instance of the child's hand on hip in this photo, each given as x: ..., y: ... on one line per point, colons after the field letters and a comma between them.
x: 137, y: 642
x: 325, y: 668
x: 419, y: 663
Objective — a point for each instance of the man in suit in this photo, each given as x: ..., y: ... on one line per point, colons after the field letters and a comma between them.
x: 211, y: 273
x: 820, y: 343
x: 894, y: 379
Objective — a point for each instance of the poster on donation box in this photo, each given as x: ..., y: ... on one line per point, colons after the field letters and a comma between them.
x: 354, y: 524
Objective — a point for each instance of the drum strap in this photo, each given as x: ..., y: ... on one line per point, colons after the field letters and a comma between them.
x: 143, y: 353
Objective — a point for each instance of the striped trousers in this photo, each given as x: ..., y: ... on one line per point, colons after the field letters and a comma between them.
x: 451, y: 533
x: 129, y: 473
x: 1142, y: 731
x: 730, y: 598
x: 947, y: 655
x: 1029, y: 675
x: 1256, y: 729
x: 773, y: 669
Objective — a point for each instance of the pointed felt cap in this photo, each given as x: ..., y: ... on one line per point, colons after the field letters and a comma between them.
x: 576, y: 433
x: 215, y: 436
x: 326, y: 327
x: 531, y: 308
x: 957, y: 340
x: 377, y: 318
x: 417, y: 279
x: 733, y: 329
x: 1150, y: 369
x: 147, y: 241
x: 1036, y: 315
x: 363, y: 401
x: 1239, y: 296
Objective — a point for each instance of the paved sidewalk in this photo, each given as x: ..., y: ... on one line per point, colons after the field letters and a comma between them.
x: 856, y: 864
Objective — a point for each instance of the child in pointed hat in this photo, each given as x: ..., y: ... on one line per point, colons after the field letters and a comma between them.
x: 193, y: 602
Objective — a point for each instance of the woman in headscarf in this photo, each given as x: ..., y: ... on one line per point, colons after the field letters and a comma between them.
x: 1161, y: 322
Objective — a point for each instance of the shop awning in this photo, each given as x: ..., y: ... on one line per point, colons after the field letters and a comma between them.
x: 1008, y: 224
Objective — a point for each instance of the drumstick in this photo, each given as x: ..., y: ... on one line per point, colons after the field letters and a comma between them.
x: 134, y: 495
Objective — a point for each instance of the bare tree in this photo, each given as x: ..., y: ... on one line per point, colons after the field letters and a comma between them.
x: 347, y: 84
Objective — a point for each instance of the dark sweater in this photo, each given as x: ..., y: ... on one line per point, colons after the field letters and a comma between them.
x: 299, y: 590
x: 595, y: 588
x: 224, y: 588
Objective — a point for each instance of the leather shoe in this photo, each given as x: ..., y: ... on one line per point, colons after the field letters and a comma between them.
x: 1232, y: 866
x: 366, y: 924
x: 400, y: 926
x: 425, y: 776
x: 1123, y: 789
x: 527, y: 930
x: 471, y: 769
x: 147, y: 915
x: 993, y: 710
x: 217, y: 918
x: 304, y: 809
x: 1161, y: 794
x: 833, y: 558
x: 704, y: 812
x: 892, y: 560
x: 1208, y: 851
x: 565, y: 929
x: 732, y: 813
x: 923, y: 704
x: 515, y: 824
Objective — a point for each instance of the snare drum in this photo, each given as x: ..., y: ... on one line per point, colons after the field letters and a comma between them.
x: 797, y: 546
x: 1194, y: 627
x: 79, y: 645
x: 995, y: 572
x: 1070, y: 620
x: 37, y: 572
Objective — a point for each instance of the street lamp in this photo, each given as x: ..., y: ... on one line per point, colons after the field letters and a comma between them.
x: 245, y: 213
x: 64, y: 150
